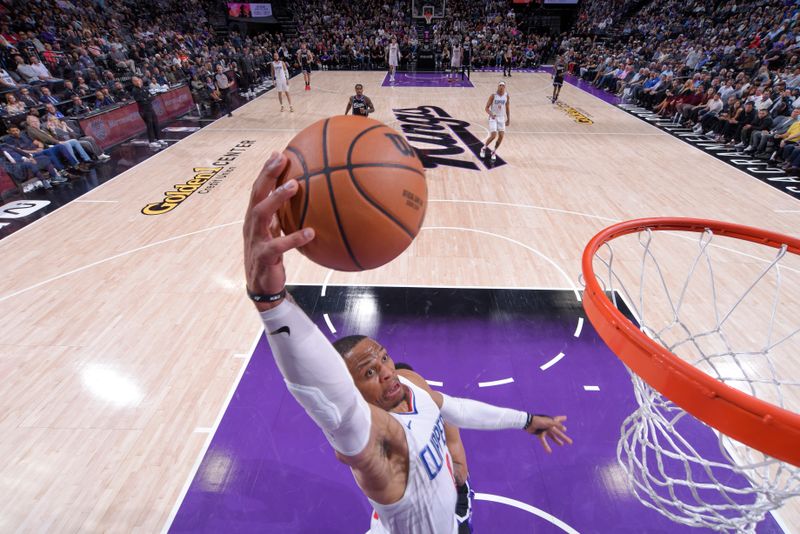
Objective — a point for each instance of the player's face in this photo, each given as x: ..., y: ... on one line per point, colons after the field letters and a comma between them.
x: 374, y: 374
x: 359, y: 90
x: 501, y: 89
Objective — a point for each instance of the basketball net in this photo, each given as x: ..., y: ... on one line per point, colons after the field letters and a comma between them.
x: 428, y: 16
x: 728, y: 487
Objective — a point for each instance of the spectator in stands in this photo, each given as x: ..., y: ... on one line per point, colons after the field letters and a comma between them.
x: 763, y: 122
x: 78, y: 107
x: 23, y: 143
x: 144, y: 98
x: 69, y: 90
x: 33, y: 127
x: 14, y: 106
x: 63, y: 132
x: 6, y: 81
x: 81, y: 87
x: 26, y: 98
x: 119, y: 93
x: 50, y: 109
x: 46, y: 96
x: 23, y: 167
x: 41, y: 71
x: 102, y: 100
x: 760, y: 140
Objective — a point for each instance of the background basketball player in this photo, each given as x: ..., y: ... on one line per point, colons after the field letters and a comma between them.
x: 508, y: 56
x: 393, y: 57
x: 305, y: 58
x: 359, y: 103
x: 455, y: 58
x: 388, y: 427
x: 280, y: 75
x: 558, y: 78
x: 499, y: 110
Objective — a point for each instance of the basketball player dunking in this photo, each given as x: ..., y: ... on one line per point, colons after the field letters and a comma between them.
x: 280, y: 76
x: 393, y: 57
x: 558, y: 78
x: 499, y: 109
x: 359, y: 103
x: 388, y: 426
x: 305, y: 57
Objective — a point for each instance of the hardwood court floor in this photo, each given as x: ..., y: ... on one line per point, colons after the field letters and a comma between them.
x: 122, y: 334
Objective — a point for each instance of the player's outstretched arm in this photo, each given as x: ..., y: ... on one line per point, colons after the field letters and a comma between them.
x: 476, y: 415
x: 314, y: 372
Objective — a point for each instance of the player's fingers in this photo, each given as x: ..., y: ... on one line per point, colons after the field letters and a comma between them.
x: 546, y: 446
x: 265, y: 210
x: 294, y: 240
x: 267, y: 177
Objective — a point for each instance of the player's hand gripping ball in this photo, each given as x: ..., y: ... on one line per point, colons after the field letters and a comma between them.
x: 361, y: 188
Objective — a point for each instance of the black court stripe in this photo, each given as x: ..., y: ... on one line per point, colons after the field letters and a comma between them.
x: 363, y: 193
x: 366, y: 166
x: 332, y: 196
x: 307, y: 180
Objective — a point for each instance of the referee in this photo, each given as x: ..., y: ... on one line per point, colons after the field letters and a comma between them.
x: 143, y: 97
x: 224, y: 86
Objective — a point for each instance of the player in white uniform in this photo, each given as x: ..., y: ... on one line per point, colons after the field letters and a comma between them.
x: 389, y: 430
x: 455, y: 58
x: 499, y: 109
x: 280, y: 75
x: 393, y: 57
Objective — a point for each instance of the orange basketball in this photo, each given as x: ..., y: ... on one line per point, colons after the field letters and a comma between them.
x: 362, y: 190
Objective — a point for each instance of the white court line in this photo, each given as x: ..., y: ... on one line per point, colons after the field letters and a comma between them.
x: 523, y: 245
x: 526, y: 508
x: 115, y: 256
x: 495, y: 383
x: 529, y: 206
x: 240, y: 355
x: 785, y: 211
x: 591, y: 388
x: 578, y: 329
x: 329, y: 323
x: 552, y: 362
x: 210, y: 436
x: 435, y: 383
x: 96, y: 201
x: 325, y: 282
x: 203, y: 430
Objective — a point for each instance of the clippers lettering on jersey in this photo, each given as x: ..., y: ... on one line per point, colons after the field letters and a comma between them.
x: 433, y: 454
x: 435, y: 136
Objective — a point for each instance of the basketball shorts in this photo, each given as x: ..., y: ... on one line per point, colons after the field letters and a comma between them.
x: 307, y: 68
x: 558, y: 81
x: 497, y: 125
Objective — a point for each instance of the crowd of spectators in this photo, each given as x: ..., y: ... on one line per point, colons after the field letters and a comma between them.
x: 728, y: 69
x: 715, y: 65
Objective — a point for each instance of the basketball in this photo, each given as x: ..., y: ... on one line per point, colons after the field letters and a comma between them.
x: 361, y: 188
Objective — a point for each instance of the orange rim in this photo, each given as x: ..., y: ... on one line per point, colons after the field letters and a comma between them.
x: 771, y: 429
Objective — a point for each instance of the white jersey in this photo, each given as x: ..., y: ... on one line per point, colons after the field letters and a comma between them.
x: 394, y: 54
x: 281, y: 77
x: 498, y: 107
x: 455, y: 60
x: 429, y: 502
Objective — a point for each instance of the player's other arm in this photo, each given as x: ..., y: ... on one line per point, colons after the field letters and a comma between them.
x: 476, y: 415
x: 313, y: 371
x: 508, y: 110
x: 349, y: 105
x: 489, y: 106
x: 370, y: 107
x: 457, y: 452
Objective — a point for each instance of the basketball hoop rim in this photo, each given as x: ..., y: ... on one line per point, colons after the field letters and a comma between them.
x: 754, y: 422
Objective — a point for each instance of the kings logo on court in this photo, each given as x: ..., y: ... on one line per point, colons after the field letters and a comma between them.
x: 435, y: 135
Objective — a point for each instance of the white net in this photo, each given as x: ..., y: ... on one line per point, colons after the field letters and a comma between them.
x: 728, y: 308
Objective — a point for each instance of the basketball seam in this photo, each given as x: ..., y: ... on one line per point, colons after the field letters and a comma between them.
x: 307, y: 180
x: 332, y: 195
x: 363, y: 193
x: 326, y: 169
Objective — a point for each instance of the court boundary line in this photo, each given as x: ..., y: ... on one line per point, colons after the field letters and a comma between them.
x: 210, y: 437
x: 116, y: 256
